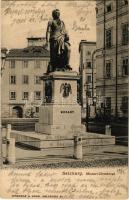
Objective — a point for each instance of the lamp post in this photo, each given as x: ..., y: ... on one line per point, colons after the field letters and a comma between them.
x: 93, y: 97
x: 86, y: 87
x: 94, y: 52
x: 94, y: 104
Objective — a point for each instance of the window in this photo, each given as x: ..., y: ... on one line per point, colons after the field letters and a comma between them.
x: 37, y: 80
x: 88, y: 64
x: 13, y: 79
x: 12, y: 64
x: 108, y: 107
x: 25, y: 95
x: 108, y: 102
x: 109, y: 8
x: 124, y: 104
x: 12, y: 95
x: 89, y: 93
x: 37, y: 109
x: 96, y: 9
x: 25, y: 63
x: 120, y: 3
x: 125, y: 68
x: 108, y: 38
x: 25, y: 79
x: 108, y: 70
x: 89, y: 79
x: 125, y: 34
x: 37, y: 95
x: 37, y: 63
x: 102, y: 105
x: 126, y: 2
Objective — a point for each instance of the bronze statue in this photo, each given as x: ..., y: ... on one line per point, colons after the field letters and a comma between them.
x: 58, y: 38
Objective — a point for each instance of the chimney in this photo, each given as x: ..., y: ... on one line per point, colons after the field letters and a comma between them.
x: 3, y: 52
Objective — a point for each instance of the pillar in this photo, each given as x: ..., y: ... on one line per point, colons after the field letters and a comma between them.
x: 11, y: 158
x: 108, y: 130
x: 8, y: 130
x: 78, y: 147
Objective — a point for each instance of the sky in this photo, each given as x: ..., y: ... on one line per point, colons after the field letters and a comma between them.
x: 22, y: 19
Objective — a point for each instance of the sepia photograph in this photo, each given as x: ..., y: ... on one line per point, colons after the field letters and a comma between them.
x: 64, y: 99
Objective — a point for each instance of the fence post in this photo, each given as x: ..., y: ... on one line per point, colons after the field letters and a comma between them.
x: 78, y: 154
x: 11, y: 158
x: 8, y: 130
x: 2, y: 141
x: 10, y: 146
x: 108, y: 130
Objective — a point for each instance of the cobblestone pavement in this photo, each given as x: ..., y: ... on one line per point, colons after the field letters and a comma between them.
x: 75, y: 164
x: 116, y: 156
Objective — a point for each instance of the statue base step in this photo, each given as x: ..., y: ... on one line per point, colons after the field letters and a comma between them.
x: 60, y: 130
x: 63, y: 145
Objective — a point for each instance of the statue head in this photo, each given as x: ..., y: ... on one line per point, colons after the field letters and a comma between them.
x: 56, y: 14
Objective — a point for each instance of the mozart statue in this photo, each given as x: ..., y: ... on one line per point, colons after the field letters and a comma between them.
x: 58, y: 38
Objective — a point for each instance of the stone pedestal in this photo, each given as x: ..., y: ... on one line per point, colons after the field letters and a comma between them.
x: 59, y: 129
x: 60, y: 113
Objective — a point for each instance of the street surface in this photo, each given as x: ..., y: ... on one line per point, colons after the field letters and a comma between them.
x: 26, y: 158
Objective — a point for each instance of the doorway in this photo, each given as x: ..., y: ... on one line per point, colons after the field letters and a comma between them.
x: 17, y: 112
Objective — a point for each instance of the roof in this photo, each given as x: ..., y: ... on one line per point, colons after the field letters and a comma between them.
x: 31, y: 51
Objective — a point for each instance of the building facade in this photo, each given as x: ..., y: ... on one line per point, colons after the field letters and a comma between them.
x: 112, y: 66
x: 21, y: 87
x: 87, y: 70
